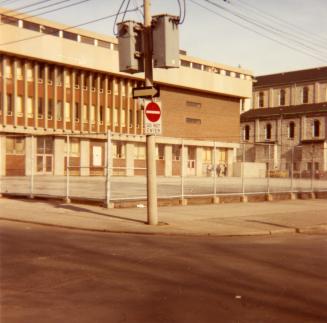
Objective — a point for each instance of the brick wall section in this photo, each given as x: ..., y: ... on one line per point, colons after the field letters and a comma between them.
x: 219, y: 115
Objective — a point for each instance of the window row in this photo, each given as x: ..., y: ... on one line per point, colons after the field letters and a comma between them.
x: 290, y: 131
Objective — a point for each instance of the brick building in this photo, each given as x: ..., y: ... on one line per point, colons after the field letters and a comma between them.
x: 290, y: 113
x: 59, y: 83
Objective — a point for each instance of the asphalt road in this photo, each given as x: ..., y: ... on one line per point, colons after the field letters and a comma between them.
x: 57, y: 275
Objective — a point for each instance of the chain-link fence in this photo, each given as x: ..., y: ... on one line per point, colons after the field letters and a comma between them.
x: 111, y: 170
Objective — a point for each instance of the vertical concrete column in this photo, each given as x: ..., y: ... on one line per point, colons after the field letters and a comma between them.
x: 25, y: 98
x: 230, y: 161
x: 130, y: 159
x: 257, y: 130
x: 276, y: 156
x: 168, y: 151
x: 271, y: 98
x: 184, y: 155
x: 55, y: 97
x: 135, y: 113
x: 85, y: 157
x: 120, y: 108
x: 45, y: 95
x: 73, y: 100
x: 303, y: 128
x: 4, y: 90
x: 198, y: 161
x: 30, y: 153
x: 293, y: 95
x: 90, y: 100
x: 105, y: 108
x: 316, y: 98
x: 128, y: 106
x: 97, y: 108
x: 2, y: 155
x: 64, y: 97
x: 36, y: 95
x: 14, y: 93
x: 59, y: 156
x: 81, y: 101
x: 279, y: 130
x: 113, y: 103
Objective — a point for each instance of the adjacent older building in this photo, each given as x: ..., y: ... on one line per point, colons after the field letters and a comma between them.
x: 60, y: 84
x: 289, y: 113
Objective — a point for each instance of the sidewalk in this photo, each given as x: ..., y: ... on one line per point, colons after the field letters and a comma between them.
x: 264, y: 218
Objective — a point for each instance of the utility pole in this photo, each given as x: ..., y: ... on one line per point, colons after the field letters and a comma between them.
x: 152, y: 210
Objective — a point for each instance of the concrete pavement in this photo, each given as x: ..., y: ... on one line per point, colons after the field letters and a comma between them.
x: 265, y: 218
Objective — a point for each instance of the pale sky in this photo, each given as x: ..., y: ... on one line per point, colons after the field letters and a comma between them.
x: 206, y: 35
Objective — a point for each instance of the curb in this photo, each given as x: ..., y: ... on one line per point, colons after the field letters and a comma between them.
x: 321, y: 229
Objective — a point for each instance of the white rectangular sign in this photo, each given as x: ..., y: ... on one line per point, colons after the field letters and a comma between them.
x: 152, y: 118
x: 97, y: 156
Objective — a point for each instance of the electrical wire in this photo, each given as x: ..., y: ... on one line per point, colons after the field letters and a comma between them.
x: 26, y: 6
x: 182, y: 19
x: 297, y: 28
x: 117, y: 14
x: 268, y: 28
x: 68, y: 28
x: 53, y: 10
x: 126, y: 8
x: 324, y: 60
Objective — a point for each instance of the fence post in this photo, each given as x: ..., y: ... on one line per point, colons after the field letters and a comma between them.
x: 214, y: 170
x: 67, y: 199
x: 312, y: 170
x: 244, y: 197
x: 32, y: 168
x: 292, y: 172
x: 108, y: 188
x: 183, y: 201
x: 268, y: 174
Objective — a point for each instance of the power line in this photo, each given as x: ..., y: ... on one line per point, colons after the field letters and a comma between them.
x: 295, y: 37
x: 26, y: 6
x: 68, y: 28
x: 259, y: 33
x: 297, y: 28
x: 268, y: 28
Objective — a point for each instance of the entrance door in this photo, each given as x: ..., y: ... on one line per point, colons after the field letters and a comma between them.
x: 44, y: 155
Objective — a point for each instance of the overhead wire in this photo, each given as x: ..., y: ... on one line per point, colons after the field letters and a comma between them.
x: 68, y: 28
x: 52, y: 10
x: 268, y: 28
x: 260, y: 33
x: 117, y: 14
x: 295, y: 27
x: 26, y: 6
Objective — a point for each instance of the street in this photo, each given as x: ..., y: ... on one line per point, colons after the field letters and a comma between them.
x: 58, y: 275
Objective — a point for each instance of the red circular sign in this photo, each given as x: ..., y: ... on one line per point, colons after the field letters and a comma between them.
x: 153, y: 112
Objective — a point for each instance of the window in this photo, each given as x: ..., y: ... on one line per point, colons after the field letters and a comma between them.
x: 102, y: 43
x: 85, y: 117
x: 19, y: 106
x: 74, y: 147
x: 40, y: 108
x: 207, y: 155
x: 139, y: 151
x: 50, y: 109
x: 19, y: 70
x: 305, y: 95
x: 193, y: 104
x: 196, y: 66
x: 101, y: 114
x: 160, y: 151
x: 15, y: 145
x: 115, y: 121
x: 193, y: 121
x: 176, y: 152
x: 49, y: 30
x: 30, y: 107
x: 9, y: 20
x: 59, y: 110
x: 268, y: 131
x: 316, y: 128
x: 185, y: 63
x: 9, y: 104
x: 76, y: 112
x: 87, y: 40
x: 30, y: 72
x: 246, y: 135
x: 69, y: 35
x: 67, y: 111
x: 282, y: 95
x: 291, y: 130
x: 92, y: 114
x: 118, y: 150
x: 31, y: 26
x: 261, y: 99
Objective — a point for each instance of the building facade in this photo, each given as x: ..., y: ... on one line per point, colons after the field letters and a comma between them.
x: 289, y: 113
x: 61, y: 91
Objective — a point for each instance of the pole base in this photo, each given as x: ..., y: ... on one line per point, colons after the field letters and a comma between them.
x: 293, y: 196
x: 269, y: 197
x: 244, y: 199
x: 67, y: 200
x: 216, y: 200
x: 183, y: 202
x: 109, y: 205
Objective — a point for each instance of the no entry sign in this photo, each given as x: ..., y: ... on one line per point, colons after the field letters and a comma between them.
x: 152, y: 118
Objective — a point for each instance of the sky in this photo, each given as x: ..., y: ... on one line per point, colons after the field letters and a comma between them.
x: 298, y: 28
